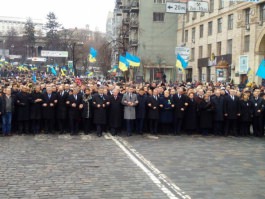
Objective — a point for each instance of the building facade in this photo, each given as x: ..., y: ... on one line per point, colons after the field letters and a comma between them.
x: 148, y: 32
x: 7, y: 23
x: 226, y: 44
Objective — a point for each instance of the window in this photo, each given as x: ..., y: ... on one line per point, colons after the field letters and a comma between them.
x: 231, y: 3
x: 201, y: 31
x: 187, y: 17
x: 219, y: 48
x: 192, y: 54
x: 200, y: 52
x: 247, y: 16
x: 209, y: 50
x: 193, y: 35
x: 210, y: 28
x: 230, y: 21
x: 246, y: 43
x: 186, y: 35
x: 229, y: 46
x: 219, y: 25
x: 194, y: 15
x: 158, y: 16
x: 221, y: 4
x: 159, y: 1
x: 211, y: 6
x: 262, y: 12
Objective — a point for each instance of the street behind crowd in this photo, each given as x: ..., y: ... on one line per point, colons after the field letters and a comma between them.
x: 85, y: 166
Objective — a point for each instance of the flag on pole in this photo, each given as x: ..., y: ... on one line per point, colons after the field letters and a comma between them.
x: 92, y: 55
x: 261, y: 70
x: 133, y: 60
x: 53, y: 71
x: 123, y: 64
x: 34, y: 78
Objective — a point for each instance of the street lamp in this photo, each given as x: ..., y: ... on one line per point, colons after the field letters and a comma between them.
x: 73, y: 54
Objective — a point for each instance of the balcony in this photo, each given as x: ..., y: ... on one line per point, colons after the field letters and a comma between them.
x: 134, y: 43
x: 125, y: 9
x: 118, y: 12
x: 134, y: 24
x: 119, y: 2
x: 135, y: 6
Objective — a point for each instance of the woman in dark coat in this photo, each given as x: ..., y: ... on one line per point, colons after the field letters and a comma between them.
x: 166, y: 112
x: 206, y: 115
x: 87, y: 111
x: 35, y: 109
x: 191, y: 115
x: 115, y: 112
x: 246, y: 115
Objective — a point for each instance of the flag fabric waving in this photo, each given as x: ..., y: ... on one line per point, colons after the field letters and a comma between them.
x: 181, y: 63
x: 92, y: 55
x: 53, y: 71
x: 123, y: 64
x: 261, y: 70
x: 34, y: 78
x: 133, y: 60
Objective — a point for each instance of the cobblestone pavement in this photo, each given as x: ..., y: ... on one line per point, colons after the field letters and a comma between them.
x: 209, y: 167
x: 65, y: 167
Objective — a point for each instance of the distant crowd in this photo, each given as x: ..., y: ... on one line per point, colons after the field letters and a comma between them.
x: 72, y: 105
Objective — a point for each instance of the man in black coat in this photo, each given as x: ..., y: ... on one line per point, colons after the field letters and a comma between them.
x: 23, y: 111
x: 48, y: 109
x: 35, y: 109
x: 153, y: 112
x: 115, y: 112
x: 218, y: 114
x: 100, y: 104
x: 141, y: 111
x: 179, y: 105
x: 257, y: 114
x: 231, y: 113
x: 61, y: 109
x: 75, y: 105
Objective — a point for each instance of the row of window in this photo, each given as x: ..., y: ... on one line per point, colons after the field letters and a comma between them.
x: 219, y: 47
x: 247, y: 12
x: 159, y: 1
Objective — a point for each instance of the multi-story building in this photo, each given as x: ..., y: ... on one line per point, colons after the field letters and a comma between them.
x: 149, y: 33
x: 228, y: 43
x: 7, y: 23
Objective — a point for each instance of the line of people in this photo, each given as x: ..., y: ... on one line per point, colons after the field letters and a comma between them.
x: 153, y: 109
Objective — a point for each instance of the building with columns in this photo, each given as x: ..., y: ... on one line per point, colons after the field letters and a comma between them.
x: 227, y: 44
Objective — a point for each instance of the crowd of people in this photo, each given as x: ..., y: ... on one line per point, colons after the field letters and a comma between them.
x: 72, y: 105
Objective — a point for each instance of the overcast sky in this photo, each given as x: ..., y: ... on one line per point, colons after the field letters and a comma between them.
x: 71, y: 14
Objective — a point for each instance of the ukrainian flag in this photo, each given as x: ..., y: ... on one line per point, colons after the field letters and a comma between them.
x: 89, y: 73
x: 33, y: 68
x: 133, y: 60
x: 92, y: 55
x: 123, y: 64
x: 181, y: 63
x: 62, y: 72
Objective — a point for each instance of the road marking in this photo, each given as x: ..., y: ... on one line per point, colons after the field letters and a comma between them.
x: 154, y: 174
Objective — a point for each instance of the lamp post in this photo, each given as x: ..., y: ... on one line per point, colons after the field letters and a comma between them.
x: 74, y: 45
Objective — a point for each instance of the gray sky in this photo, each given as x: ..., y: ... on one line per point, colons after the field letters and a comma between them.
x: 71, y: 14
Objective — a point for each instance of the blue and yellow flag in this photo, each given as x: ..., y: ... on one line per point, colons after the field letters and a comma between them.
x: 33, y: 68
x: 123, y: 64
x: 34, y: 78
x: 92, y: 55
x: 62, y: 72
x: 181, y: 63
x: 89, y: 73
x: 261, y: 70
x: 133, y: 60
x: 53, y: 71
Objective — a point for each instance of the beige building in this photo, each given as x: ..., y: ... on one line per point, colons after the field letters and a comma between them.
x: 228, y: 43
x: 148, y: 32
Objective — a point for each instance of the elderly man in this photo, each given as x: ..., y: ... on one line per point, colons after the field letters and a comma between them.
x: 129, y: 101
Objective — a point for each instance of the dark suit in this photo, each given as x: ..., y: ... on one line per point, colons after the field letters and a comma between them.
x: 23, y: 111
x: 115, y: 114
x: 257, y: 116
x: 153, y: 113
x: 61, y: 111
x: 48, y: 111
x: 218, y: 114
x: 74, y: 112
x: 179, y: 110
x: 140, y: 112
x: 231, y: 108
x: 100, y: 113
x: 35, y: 111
